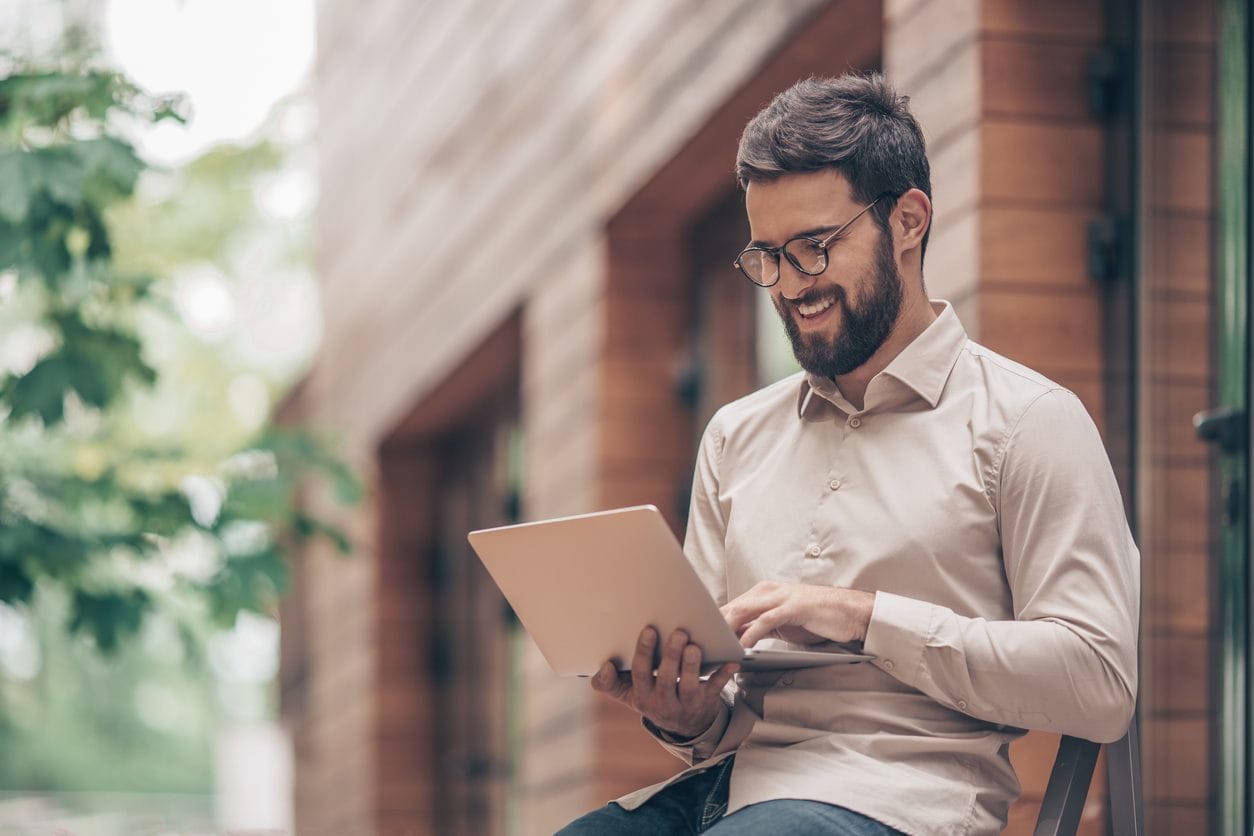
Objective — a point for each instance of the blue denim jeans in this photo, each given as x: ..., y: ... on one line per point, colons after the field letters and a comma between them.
x: 697, y: 805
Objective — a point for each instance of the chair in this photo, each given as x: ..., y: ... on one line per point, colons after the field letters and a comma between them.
x: 1069, y: 785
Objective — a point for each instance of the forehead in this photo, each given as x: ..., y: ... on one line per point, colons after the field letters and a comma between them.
x: 779, y: 209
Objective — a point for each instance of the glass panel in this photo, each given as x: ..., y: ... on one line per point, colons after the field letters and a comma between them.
x: 1233, y: 392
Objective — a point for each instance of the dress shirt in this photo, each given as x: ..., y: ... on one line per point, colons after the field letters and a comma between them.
x: 974, y: 497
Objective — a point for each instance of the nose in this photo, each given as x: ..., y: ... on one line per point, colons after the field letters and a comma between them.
x: 792, y: 282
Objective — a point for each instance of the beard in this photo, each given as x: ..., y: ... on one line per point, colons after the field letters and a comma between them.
x: 864, y: 326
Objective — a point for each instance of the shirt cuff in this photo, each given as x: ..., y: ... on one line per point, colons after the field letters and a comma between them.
x: 699, y: 747
x: 897, y: 634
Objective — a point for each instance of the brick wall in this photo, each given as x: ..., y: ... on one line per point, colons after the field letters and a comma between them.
x: 327, y: 681
x: 470, y: 152
x: 1178, y: 626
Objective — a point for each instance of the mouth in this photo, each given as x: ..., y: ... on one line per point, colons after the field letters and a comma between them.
x: 815, y: 310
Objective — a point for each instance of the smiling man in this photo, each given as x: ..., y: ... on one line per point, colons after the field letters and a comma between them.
x: 947, y: 508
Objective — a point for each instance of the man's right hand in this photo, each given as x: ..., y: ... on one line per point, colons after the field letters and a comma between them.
x: 675, y: 699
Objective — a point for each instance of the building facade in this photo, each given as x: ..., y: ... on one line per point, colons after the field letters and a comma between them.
x: 528, y: 217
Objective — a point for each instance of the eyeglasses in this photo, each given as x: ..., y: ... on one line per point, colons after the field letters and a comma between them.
x: 760, y: 265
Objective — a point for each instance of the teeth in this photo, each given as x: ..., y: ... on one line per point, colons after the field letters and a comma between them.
x: 812, y: 308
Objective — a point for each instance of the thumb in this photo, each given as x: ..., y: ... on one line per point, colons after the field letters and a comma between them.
x: 607, y: 680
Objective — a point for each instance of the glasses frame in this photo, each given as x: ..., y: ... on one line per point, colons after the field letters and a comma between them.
x: 821, y: 243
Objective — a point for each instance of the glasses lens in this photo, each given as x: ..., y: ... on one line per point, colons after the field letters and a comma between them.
x: 759, y: 266
x: 806, y: 255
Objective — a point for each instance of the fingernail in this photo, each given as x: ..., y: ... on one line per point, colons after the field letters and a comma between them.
x: 650, y: 635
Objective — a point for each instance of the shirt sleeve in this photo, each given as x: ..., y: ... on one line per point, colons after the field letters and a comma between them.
x: 696, y: 749
x: 703, y: 546
x: 1067, y: 663
x: 705, y: 539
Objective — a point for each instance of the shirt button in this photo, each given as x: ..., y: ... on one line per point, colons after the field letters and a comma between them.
x: 834, y: 484
x: 855, y: 422
x: 787, y: 680
x: 814, y: 550
x: 962, y: 704
x: 888, y: 664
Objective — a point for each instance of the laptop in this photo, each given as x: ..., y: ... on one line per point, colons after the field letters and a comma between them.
x: 585, y: 586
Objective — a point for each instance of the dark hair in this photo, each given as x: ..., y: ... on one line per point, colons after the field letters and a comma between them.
x: 856, y: 124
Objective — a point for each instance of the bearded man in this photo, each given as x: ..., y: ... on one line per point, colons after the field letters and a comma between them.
x: 951, y: 511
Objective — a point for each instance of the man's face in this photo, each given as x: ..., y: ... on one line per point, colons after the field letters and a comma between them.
x: 838, y: 319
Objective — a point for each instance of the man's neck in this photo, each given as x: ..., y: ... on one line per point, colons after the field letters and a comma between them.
x: 916, y: 314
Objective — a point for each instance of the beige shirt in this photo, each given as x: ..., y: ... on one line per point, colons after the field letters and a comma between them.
x: 975, y: 498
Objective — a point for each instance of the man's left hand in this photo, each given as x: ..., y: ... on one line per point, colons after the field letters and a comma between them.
x: 800, y: 613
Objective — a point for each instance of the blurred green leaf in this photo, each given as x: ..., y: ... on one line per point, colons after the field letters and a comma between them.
x: 41, y: 391
x: 111, y: 168
x: 109, y: 617
x: 49, y: 97
x: 19, y: 179
x: 84, y: 498
x: 306, y: 527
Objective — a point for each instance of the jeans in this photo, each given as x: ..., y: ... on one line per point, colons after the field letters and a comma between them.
x: 697, y: 804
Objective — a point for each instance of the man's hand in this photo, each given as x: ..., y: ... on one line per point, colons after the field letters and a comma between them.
x: 800, y: 613
x: 675, y: 700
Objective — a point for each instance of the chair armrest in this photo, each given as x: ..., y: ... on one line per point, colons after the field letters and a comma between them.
x: 1068, y: 786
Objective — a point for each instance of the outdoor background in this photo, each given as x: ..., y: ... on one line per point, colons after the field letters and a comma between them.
x: 380, y: 273
x: 176, y: 729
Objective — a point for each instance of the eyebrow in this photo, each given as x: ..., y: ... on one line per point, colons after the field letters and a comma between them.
x: 813, y: 232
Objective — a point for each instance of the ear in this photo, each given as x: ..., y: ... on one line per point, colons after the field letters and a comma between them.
x: 910, y: 220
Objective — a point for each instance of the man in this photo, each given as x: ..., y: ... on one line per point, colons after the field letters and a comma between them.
x: 951, y: 510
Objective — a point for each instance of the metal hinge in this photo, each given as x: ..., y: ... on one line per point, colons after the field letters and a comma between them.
x: 1106, y: 236
x: 1226, y: 426
x: 1105, y: 82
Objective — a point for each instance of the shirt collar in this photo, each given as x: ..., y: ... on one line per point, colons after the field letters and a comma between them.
x: 923, y: 366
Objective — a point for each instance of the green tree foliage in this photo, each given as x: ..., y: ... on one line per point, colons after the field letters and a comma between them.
x: 84, y: 506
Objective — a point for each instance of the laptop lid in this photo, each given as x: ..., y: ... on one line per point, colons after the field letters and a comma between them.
x: 585, y: 586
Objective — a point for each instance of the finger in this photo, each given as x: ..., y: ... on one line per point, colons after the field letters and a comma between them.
x: 642, y: 662
x: 761, y: 627
x: 690, y: 673
x: 744, y: 608
x: 668, y: 668
x: 740, y: 615
x: 719, y: 679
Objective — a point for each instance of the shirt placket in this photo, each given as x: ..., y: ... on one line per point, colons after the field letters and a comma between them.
x: 817, y: 554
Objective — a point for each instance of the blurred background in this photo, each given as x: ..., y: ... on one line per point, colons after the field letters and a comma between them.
x: 174, y: 729
x: 474, y: 257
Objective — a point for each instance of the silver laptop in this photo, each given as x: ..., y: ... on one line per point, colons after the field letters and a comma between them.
x: 584, y: 587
